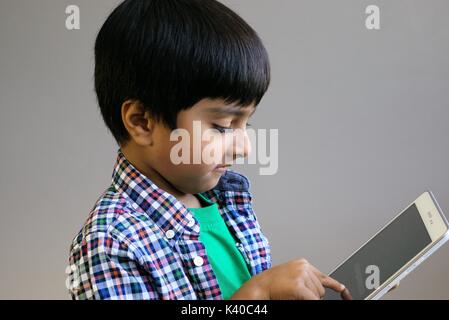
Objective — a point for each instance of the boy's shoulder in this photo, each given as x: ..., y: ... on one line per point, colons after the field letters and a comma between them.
x: 108, y: 207
x: 233, y: 181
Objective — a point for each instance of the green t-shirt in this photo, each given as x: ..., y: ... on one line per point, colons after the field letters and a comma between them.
x: 227, y: 261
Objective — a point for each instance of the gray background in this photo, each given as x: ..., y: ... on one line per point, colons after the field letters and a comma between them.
x: 362, y: 117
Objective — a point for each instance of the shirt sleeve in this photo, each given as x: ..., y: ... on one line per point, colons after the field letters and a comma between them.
x: 103, y: 267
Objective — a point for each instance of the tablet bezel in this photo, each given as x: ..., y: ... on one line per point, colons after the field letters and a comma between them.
x: 438, y: 231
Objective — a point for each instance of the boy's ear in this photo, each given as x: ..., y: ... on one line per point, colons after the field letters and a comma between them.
x: 138, y: 122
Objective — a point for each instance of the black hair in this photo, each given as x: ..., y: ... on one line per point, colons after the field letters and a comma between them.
x: 171, y: 54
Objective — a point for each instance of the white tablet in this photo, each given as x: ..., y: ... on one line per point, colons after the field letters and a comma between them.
x: 404, y: 243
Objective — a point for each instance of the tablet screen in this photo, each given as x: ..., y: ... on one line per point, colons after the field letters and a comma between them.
x: 383, y: 256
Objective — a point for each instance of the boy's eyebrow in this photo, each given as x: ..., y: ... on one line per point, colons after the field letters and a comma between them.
x: 234, y: 110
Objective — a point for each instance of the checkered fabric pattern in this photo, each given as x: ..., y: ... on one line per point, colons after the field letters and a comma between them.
x: 140, y: 242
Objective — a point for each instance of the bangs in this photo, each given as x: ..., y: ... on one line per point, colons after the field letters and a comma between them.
x: 230, y: 60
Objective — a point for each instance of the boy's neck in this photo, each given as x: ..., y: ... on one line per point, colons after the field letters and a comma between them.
x: 189, y: 200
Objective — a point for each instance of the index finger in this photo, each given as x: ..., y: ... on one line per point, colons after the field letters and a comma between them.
x: 333, y: 284
x: 346, y: 295
x: 328, y: 282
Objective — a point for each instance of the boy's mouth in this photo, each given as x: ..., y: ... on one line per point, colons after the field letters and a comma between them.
x: 222, y: 167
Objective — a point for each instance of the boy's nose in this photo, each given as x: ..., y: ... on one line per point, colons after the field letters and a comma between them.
x: 242, y: 144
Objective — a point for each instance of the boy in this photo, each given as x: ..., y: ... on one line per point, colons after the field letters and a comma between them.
x: 180, y: 231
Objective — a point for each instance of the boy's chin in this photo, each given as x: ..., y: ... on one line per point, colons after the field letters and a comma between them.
x: 211, y: 180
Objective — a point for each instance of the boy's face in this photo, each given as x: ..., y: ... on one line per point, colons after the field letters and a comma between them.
x: 204, y: 145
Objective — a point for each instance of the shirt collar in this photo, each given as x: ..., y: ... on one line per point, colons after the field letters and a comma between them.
x: 168, y: 213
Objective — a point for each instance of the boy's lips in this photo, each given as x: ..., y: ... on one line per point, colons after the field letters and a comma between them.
x: 222, y: 167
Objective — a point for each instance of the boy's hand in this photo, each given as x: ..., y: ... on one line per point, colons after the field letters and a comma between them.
x: 295, y: 280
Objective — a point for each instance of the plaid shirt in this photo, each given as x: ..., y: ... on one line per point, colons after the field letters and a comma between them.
x: 140, y: 242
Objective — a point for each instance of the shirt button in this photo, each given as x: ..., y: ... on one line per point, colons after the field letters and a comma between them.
x: 170, y: 234
x: 198, y: 261
x: 191, y: 223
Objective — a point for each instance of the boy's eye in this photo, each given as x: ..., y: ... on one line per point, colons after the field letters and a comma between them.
x: 225, y: 129
x: 221, y: 129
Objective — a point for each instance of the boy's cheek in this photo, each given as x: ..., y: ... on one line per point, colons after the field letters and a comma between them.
x: 207, y: 156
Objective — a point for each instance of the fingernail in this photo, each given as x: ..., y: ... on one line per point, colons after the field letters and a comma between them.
x: 343, y: 287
